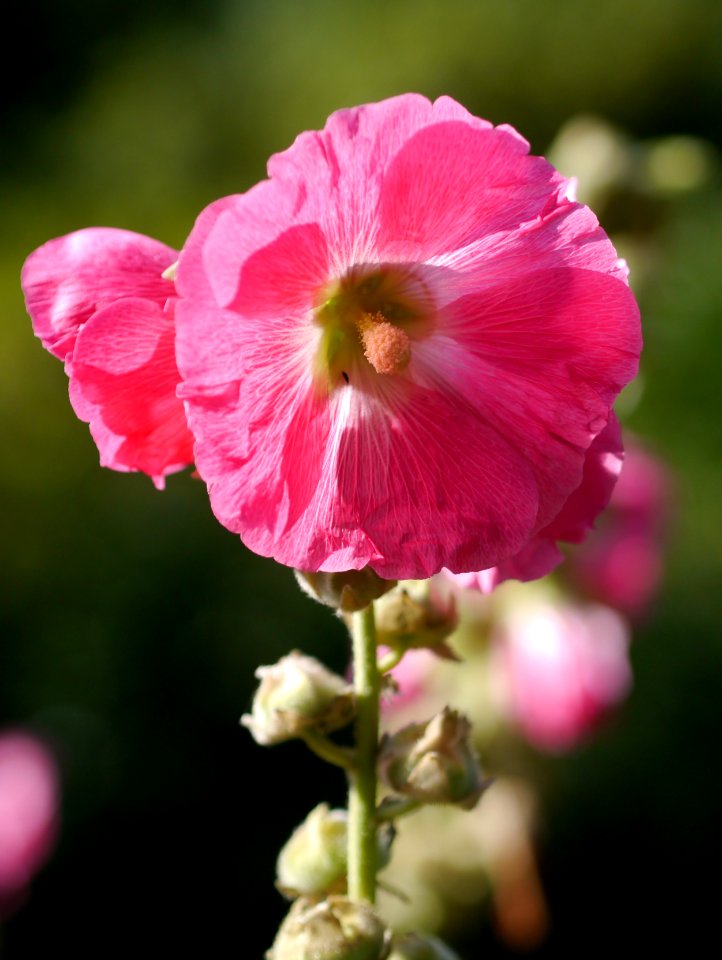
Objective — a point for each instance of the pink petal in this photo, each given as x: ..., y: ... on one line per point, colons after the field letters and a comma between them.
x: 566, y: 235
x: 543, y: 358
x: 67, y: 279
x: 337, y: 174
x: 341, y: 482
x: 451, y: 183
x: 191, y: 271
x: 541, y: 555
x: 602, y: 467
x: 123, y: 383
x: 244, y: 224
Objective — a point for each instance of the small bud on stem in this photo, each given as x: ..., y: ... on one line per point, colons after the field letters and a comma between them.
x: 295, y: 695
x: 433, y: 762
x: 347, y: 592
x: 335, y: 929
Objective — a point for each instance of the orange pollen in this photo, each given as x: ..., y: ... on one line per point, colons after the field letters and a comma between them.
x: 386, y: 347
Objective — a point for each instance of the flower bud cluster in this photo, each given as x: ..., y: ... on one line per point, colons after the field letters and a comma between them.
x: 296, y: 695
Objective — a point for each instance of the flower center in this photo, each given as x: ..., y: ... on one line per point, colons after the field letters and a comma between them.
x: 386, y: 347
x: 369, y: 320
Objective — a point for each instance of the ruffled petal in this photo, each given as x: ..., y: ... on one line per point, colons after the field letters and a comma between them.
x: 338, y: 174
x: 543, y: 357
x: 334, y: 483
x: 602, y: 466
x: 67, y: 279
x: 452, y: 183
x: 236, y: 228
x: 123, y: 383
x: 191, y: 273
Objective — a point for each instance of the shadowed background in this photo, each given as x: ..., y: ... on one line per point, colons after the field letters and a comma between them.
x: 132, y: 622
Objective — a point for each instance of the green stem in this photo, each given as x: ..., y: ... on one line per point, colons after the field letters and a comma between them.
x: 391, y: 659
x: 362, y: 781
x: 394, y: 807
x: 328, y: 750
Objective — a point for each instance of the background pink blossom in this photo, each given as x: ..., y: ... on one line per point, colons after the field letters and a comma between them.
x: 29, y: 810
x: 562, y: 667
x: 622, y: 564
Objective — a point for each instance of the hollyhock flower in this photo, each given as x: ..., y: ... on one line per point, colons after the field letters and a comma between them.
x: 29, y: 799
x: 541, y: 555
x: 561, y: 668
x: 397, y: 350
x: 99, y: 301
x: 621, y: 564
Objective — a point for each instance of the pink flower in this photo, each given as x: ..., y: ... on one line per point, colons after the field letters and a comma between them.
x: 29, y: 800
x: 398, y: 350
x: 99, y: 301
x: 541, y: 555
x: 562, y: 668
x: 621, y: 564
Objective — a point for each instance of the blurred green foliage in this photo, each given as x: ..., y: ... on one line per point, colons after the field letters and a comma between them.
x: 132, y: 622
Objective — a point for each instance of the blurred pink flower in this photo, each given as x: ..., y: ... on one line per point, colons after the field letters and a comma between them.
x: 397, y: 351
x: 560, y: 669
x: 621, y: 564
x: 29, y: 809
x: 410, y: 677
x: 98, y: 301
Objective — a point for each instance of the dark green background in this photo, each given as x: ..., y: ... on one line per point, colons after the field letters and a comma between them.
x: 132, y: 622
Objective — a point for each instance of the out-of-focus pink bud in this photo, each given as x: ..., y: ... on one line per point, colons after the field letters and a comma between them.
x: 621, y: 563
x: 29, y: 806
x: 561, y: 668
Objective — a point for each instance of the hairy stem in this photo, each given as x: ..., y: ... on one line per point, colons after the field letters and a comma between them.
x: 362, y: 780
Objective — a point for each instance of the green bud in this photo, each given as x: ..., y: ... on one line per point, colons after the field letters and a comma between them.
x: 348, y: 591
x: 313, y: 861
x: 298, y: 693
x: 420, y: 946
x: 335, y: 929
x: 433, y: 762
